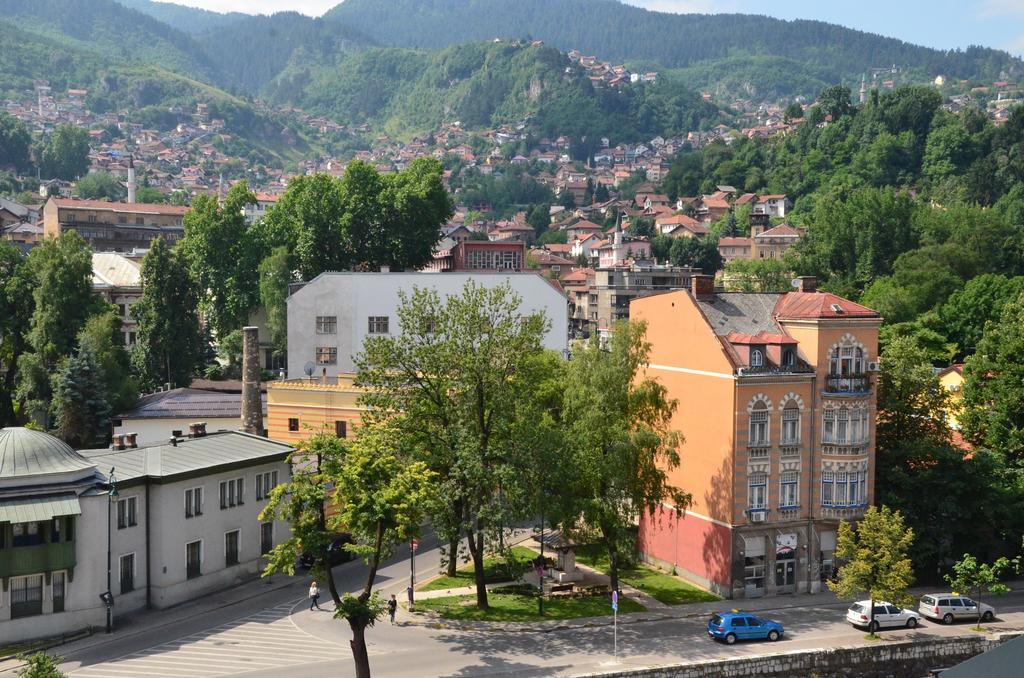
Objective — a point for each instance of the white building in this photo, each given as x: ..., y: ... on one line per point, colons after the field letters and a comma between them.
x: 118, y: 279
x: 183, y: 524
x: 331, y: 316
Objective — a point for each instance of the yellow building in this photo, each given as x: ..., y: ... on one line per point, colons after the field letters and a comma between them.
x: 299, y: 408
x: 952, y: 379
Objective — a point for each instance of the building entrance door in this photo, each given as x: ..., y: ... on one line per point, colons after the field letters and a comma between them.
x: 785, y: 576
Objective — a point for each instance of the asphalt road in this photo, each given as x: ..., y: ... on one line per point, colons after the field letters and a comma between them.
x: 276, y: 635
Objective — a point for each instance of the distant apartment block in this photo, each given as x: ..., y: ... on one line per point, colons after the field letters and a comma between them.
x: 114, y: 226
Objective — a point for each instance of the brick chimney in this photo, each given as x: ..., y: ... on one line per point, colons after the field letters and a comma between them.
x: 808, y: 283
x: 117, y: 441
x: 702, y: 286
x: 252, y: 405
x: 130, y: 440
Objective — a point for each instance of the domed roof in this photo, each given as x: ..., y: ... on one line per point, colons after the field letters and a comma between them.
x: 25, y: 452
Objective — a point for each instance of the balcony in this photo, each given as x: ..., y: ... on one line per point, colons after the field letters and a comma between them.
x: 848, y: 384
x: 19, y: 560
x: 758, y: 451
x: 835, y: 449
x: 790, y: 450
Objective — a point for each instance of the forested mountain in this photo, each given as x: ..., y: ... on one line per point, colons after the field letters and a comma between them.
x: 407, y: 91
x: 187, y: 19
x: 612, y: 30
x: 252, y: 51
x: 108, y: 28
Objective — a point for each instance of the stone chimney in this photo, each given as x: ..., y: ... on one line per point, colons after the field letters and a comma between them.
x: 808, y: 283
x: 702, y: 286
x: 252, y: 405
x: 131, y: 440
x: 117, y: 441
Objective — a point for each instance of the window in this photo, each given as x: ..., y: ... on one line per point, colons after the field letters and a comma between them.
x: 789, y: 489
x: 842, y: 426
x: 122, y: 311
x: 739, y: 621
x: 231, y: 493
x: 127, y: 570
x: 788, y: 357
x: 791, y: 425
x: 26, y: 596
x: 231, y: 548
x: 840, y: 490
x: 55, y: 531
x: 759, y: 425
x: 293, y: 425
x: 341, y: 429
x: 194, y: 502
x: 846, y: 361
x: 327, y: 324
x: 193, y: 559
x: 26, y: 534
x: 828, y: 432
x: 326, y: 355
x: 266, y: 538
x: 378, y: 324
x: 758, y: 491
x: 753, y: 574
x: 853, y: 493
x: 265, y: 482
x: 756, y: 358
x: 827, y: 484
x: 126, y: 513
x: 863, y: 491
x: 58, y: 588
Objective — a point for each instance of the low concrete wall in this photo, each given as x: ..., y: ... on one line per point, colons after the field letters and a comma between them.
x: 911, y: 658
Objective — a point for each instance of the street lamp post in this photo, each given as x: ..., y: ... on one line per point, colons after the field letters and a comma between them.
x: 108, y: 597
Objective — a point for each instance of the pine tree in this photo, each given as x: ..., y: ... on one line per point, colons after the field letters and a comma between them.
x: 80, y: 401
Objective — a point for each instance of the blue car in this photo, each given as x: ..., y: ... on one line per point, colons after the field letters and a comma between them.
x: 736, y: 625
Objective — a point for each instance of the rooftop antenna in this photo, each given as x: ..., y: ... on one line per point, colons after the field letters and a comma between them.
x: 308, y: 369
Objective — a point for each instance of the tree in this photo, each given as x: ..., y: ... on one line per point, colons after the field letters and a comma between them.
x: 381, y: 500
x: 275, y: 276
x: 619, y: 437
x: 80, y: 401
x: 150, y: 195
x: 835, y: 101
x: 462, y: 371
x: 169, y: 345
x: 59, y: 277
x: 971, y: 577
x: 100, y: 186
x: 103, y: 337
x: 553, y: 237
x: 223, y: 255
x: 793, y: 112
x: 40, y: 665
x: 539, y: 217
x: 700, y: 253
x: 877, y: 558
x: 567, y: 200
x: 15, y: 143
x: 16, y: 307
x: 758, y: 275
x: 968, y: 311
x: 601, y: 193
x: 65, y: 153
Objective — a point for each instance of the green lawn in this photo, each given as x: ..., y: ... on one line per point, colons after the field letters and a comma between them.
x: 494, y: 571
x: 658, y: 585
x: 520, y: 605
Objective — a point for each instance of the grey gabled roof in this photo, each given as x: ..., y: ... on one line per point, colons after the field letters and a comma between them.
x: 189, y: 455
x: 1004, y: 660
x: 24, y: 453
x: 188, y: 402
x: 36, y: 509
x: 746, y: 313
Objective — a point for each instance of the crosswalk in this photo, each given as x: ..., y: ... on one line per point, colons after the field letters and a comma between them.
x: 263, y: 641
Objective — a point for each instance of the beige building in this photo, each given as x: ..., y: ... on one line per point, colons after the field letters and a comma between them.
x: 118, y: 279
x: 298, y: 408
x: 114, y: 226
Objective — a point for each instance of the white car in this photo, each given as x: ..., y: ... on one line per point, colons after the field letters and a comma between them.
x: 886, y: 615
x: 948, y: 607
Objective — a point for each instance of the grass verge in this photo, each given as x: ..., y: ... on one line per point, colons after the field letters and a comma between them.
x: 495, y: 570
x: 663, y: 587
x: 520, y: 605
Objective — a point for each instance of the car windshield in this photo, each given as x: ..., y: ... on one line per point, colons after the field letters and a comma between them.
x: 716, y: 620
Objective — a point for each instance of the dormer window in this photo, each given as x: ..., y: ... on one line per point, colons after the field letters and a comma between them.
x: 756, y: 357
x: 788, y: 357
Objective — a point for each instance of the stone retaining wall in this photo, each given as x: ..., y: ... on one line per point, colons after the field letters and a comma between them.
x: 911, y: 658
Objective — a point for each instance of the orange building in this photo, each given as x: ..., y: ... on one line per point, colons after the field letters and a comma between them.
x: 298, y: 408
x: 777, y: 407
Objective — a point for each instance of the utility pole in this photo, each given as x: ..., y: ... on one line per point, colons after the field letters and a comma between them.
x: 108, y: 597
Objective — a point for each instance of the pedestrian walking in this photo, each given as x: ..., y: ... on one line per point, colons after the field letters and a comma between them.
x: 392, y: 608
x: 314, y: 596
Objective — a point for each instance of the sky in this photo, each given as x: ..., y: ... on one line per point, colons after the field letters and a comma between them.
x: 944, y: 24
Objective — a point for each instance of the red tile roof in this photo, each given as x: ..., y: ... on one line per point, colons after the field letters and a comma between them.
x: 145, y: 208
x: 783, y: 230
x: 676, y: 219
x: 796, y: 305
x: 760, y: 338
x: 734, y: 242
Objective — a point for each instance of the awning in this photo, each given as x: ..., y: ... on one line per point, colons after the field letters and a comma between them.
x: 34, y: 509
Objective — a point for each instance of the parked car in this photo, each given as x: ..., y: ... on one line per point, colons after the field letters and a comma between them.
x: 948, y: 607
x: 733, y: 626
x: 336, y: 553
x: 886, y: 615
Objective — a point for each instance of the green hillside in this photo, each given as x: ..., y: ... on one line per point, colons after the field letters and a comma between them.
x: 405, y: 91
x: 816, y: 51
x: 187, y: 19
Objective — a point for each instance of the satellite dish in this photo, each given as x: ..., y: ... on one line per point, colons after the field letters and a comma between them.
x: 308, y: 369
x: 795, y: 283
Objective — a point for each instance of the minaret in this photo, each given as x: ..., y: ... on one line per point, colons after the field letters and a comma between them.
x: 131, y: 179
x: 863, y: 89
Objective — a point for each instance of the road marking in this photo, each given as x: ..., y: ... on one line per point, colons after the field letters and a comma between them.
x: 267, y: 639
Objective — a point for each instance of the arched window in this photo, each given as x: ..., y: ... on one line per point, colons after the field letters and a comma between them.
x: 759, y: 425
x: 789, y: 357
x: 847, y: 357
x: 756, y: 358
x: 791, y: 424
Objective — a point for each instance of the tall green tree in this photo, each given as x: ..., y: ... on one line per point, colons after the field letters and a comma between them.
x: 169, y: 345
x: 65, y: 153
x: 275, y: 276
x: 700, y: 253
x: 103, y: 337
x: 619, y: 436
x: 15, y: 144
x: 968, y: 311
x: 462, y: 371
x: 100, y: 186
x: 539, y: 217
x: 223, y: 255
x: 80, y: 401
x: 16, y: 305
x: 877, y: 555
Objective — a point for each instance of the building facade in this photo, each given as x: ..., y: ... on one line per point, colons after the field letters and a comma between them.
x: 299, y: 408
x: 182, y: 523
x: 607, y: 299
x: 114, y: 226
x: 777, y: 408
x: 330, y: 317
